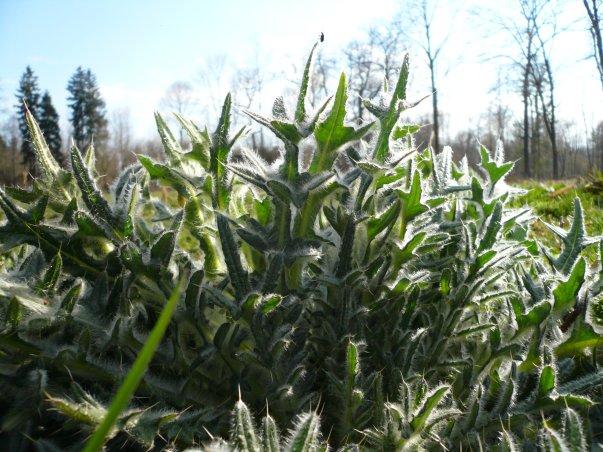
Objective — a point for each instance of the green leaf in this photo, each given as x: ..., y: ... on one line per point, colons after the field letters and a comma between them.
x: 554, y: 441
x: 200, y: 142
x: 376, y: 224
x: 38, y: 209
x: 166, y: 175
x: 52, y: 275
x: 477, y: 196
x: 532, y: 318
x: 305, y: 436
x: 243, y: 432
x: 71, y: 297
x: 566, y: 293
x: 47, y: 162
x: 344, y: 258
x: 574, y: 241
x: 135, y: 375
x: 574, y: 431
x: 125, y: 194
x: 271, y: 441
x: 547, y: 381
x: 353, y: 366
x: 89, y: 226
x: 401, y: 132
x: 286, y: 131
x: 331, y: 133
x: 389, y: 118
x: 238, y: 276
x: 194, y: 290
x: 163, y: 248
x: 219, y: 150
x: 508, y: 442
x: 13, y: 312
x: 582, y: 337
x: 300, y: 110
x: 92, y: 196
x: 69, y: 214
x: 494, y: 225
x: 429, y: 405
x: 495, y: 170
x: 269, y: 303
x: 412, y: 205
x: 170, y: 143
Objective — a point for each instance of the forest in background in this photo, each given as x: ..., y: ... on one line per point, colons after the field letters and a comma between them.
x: 545, y: 142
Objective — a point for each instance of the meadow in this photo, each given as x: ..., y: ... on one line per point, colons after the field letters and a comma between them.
x: 377, y: 297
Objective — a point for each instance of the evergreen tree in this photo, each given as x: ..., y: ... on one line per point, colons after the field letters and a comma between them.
x: 49, y: 124
x: 88, y: 114
x: 28, y: 96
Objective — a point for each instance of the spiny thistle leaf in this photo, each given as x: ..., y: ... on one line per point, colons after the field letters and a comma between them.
x: 574, y: 431
x: 271, y: 437
x: 230, y: 249
x: 430, y: 403
x: 547, y: 381
x: 305, y: 435
x: 13, y: 312
x: 494, y: 226
x: 92, y: 196
x: 200, y: 141
x: 243, y: 433
x: 582, y: 337
x: 376, y: 224
x: 389, y: 118
x: 170, y: 144
x: 574, y: 241
x: 46, y: 160
x: 52, y: 275
x: 566, y: 293
x: 331, y: 133
x: 496, y: 170
x: 166, y: 175
x: 219, y: 150
x: 412, y: 203
x: 71, y: 298
x: 300, y: 110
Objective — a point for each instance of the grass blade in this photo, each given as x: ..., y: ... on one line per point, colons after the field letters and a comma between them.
x: 135, y: 375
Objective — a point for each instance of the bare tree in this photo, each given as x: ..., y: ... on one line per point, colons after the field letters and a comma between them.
x: 418, y: 24
x: 322, y: 71
x: 179, y: 98
x: 211, y: 77
x: 370, y: 60
x: 248, y: 84
x: 121, y: 136
x: 521, y: 27
x: 592, y: 10
x: 544, y: 20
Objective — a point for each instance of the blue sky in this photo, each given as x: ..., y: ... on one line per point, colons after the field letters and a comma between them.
x: 138, y: 48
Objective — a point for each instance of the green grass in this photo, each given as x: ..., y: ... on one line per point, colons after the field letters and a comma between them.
x: 553, y: 202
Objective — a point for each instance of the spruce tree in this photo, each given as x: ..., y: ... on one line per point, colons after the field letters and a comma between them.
x: 28, y: 96
x: 88, y: 114
x: 49, y: 124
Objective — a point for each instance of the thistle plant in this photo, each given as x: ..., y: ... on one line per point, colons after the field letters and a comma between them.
x: 377, y: 297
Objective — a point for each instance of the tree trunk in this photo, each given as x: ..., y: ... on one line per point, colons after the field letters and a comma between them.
x: 436, y: 119
x: 526, y: 124
x: 595, y: 30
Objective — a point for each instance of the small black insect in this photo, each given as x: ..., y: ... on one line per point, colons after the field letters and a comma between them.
x: 322, y: 37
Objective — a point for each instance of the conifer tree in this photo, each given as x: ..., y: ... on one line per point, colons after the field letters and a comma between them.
x: 88, y: 114
x: 28, y: 96
x: 49, y: 124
